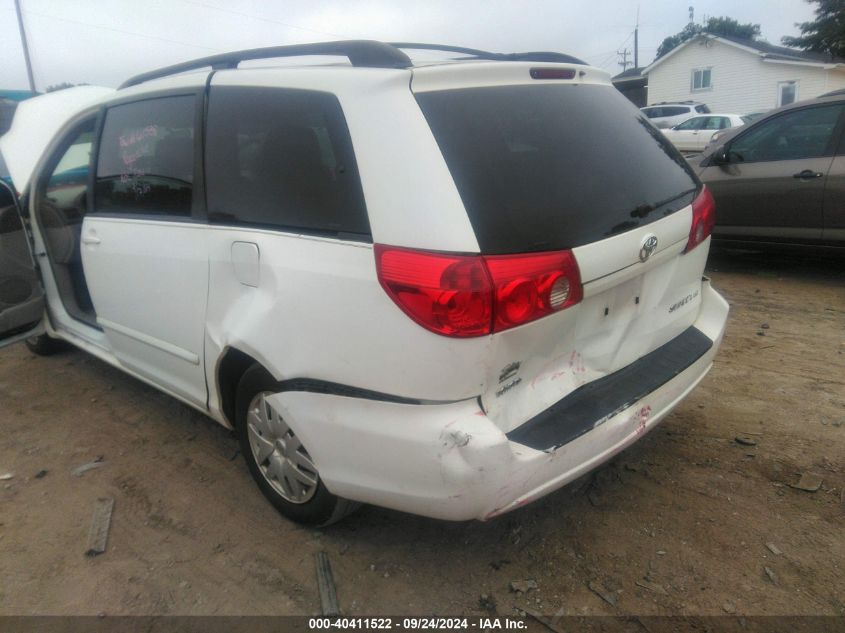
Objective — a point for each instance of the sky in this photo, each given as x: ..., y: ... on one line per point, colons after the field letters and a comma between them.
x: 103, y: 42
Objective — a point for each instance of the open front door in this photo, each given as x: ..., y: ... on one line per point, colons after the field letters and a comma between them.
x: 21, y: 292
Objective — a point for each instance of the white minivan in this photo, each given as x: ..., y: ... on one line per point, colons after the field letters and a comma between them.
x: 445, y: 288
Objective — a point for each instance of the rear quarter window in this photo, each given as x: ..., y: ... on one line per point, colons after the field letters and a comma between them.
x: 282, y: 158
x: 554, y: 166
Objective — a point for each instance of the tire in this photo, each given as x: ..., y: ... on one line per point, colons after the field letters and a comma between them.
x: 275, y: 450
x: 43, y: 345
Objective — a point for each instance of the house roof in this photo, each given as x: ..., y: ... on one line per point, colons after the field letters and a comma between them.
x: 766, y: 51
x: 632, y: 74
x: 783, y: 52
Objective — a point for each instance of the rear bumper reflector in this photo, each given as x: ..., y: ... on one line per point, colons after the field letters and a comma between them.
x: 592, y: 404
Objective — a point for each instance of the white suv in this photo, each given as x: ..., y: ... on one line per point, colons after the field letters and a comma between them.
x: 441, y: 289
x: 669, y: 114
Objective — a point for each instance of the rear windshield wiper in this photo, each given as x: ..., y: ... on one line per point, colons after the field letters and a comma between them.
x: 644, y: 209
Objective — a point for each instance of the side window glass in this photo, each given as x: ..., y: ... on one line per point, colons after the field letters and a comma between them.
x: 713, y: 123
x: 282, y: 158
x: 146, y: 159
x: 691, y: 124
x: 798, y: 134
x: 63, y: 201
x: 68, y: 181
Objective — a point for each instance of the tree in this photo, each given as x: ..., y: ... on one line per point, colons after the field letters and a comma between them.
x: 732, y: 28
x: 714, y: 26
x: 825, y: 34
x: 62, y: 86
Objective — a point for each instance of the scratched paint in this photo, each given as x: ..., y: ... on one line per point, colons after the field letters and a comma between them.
x: 640, y: 417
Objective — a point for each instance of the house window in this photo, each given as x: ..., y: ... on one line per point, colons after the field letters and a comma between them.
x: 701, y: 79
x: 787, y: 92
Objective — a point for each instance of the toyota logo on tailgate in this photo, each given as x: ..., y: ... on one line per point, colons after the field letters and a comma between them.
x: 648, y: 247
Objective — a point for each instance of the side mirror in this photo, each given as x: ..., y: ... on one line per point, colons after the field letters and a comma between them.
x: 721, y: 156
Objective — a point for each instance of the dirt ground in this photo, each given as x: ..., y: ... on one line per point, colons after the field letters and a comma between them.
x: 688, y: 522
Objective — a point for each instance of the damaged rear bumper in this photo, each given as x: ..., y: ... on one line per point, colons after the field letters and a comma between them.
x: 451, y: 462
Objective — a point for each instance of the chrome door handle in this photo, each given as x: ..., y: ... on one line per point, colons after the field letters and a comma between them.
x: 808, y: 174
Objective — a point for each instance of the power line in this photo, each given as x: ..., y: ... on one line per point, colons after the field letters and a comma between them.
x: 124, y: 32
x: 611, y: 55
x: 264, y: 19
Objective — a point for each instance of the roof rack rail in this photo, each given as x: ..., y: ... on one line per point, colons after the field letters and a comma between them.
x: 536, y: 56
x: 362, y: 53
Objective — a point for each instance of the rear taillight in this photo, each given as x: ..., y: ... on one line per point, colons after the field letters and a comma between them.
x: 528, y: 287
x: 463, y: 296
x: 448, y: 294
x: 703, y: 218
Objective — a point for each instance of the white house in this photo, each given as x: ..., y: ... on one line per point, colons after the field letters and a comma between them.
x: 740, y: 76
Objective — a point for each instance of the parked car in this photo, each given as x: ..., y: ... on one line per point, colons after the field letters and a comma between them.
x: 430, y: 288
x: 693, y: 134
x: 669, y: 114
x: 782, y: 177
x: 753, y: 116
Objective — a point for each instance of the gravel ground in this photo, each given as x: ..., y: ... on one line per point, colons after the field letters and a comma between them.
x: 702, y: 517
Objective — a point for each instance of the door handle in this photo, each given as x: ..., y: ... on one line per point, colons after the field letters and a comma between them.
x: 90, y: 239
x: 807, y: 174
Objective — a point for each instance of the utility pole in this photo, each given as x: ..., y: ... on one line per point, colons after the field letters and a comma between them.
x: 624, y: 55
x: 637, y: 40
x: 25, y: 47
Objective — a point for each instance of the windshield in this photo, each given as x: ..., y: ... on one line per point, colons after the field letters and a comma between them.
x: 555, y: 166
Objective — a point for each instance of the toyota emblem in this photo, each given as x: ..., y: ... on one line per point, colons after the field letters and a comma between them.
x: 648, y: 247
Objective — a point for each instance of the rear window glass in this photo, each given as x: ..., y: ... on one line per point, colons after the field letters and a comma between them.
x: 146, y: 161
x: 282, y: 158
x: 545, y: 167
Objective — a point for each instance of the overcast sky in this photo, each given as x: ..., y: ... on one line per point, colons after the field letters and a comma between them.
x: 103, y: 42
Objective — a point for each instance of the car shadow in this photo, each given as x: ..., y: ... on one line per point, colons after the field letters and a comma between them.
x: 797, y: 262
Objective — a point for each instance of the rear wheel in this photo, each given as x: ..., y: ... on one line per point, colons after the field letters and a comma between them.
x: 43, y: 345
x: 277, y: 459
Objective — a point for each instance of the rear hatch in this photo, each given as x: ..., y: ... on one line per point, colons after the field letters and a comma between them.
x: 568, y: 164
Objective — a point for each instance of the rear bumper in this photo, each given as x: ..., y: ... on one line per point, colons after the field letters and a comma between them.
x: 452, y: 462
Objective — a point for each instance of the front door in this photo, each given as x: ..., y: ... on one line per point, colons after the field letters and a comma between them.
x: 773, y: 185
x: 685, y: 136
x: 21, y: 293
x: 144, y: 245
